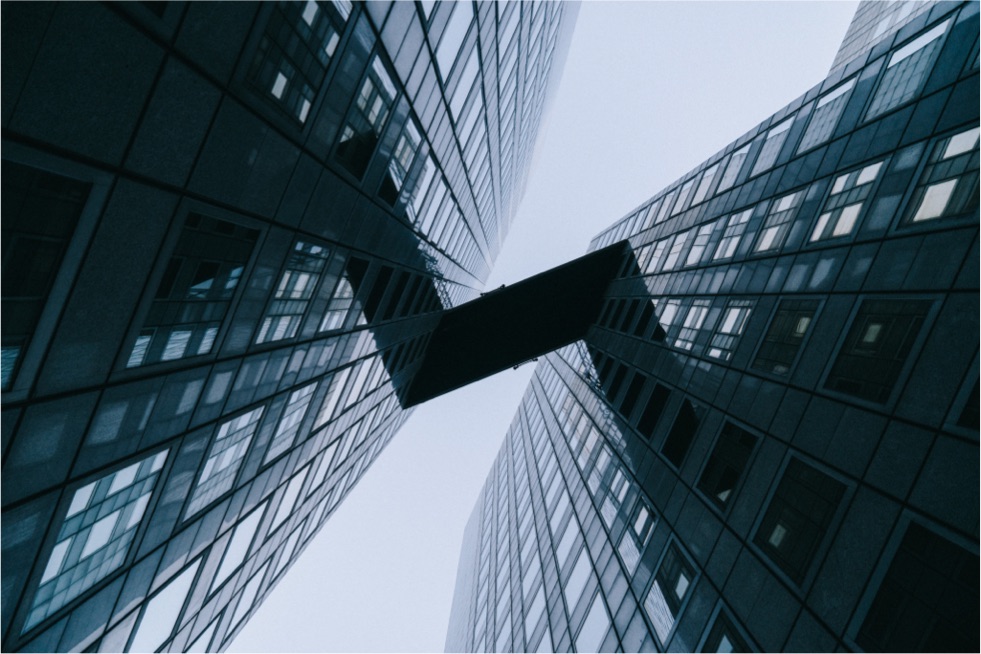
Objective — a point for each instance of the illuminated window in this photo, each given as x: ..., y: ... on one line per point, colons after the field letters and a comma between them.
x: 734, y: 230
x: 730, y: 328
x: 777, y: 223
x: 95, y: 535
x: 849, y: 193
x: 949, y: 183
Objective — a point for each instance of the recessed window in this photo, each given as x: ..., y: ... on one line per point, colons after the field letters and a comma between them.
x: 825, y: 116
x: 928, y: 600
x: 777, y: 223
x: 195, y: 292
x: 672, y: 585
x: 734, y: 230
x: 906, y: 71
x: 948, y: 185
x: 724, y: 637
x: 367, y: 117
x: 775, y: 138
x: 96, y: 534
x: 876, y: 347
x: 784, y: 337
x: 40, y: 211
x: 730, y: 328
x: 682, y: 433
x: 692, y: 324
x: 291, y: 62
x: 849, y: 192
x: 294, y: 290
x: 726, y: 464
x: 653, y: 410
x: 798, y: 517
x: 225, y: 457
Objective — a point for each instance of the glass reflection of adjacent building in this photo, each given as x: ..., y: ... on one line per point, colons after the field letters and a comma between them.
x: 227, y: 232
x: 769, y: 438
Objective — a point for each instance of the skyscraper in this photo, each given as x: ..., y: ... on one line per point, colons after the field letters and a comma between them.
x: 768, y: 440
x: 227, y: 231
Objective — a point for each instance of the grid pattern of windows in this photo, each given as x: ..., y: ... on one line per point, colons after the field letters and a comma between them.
x: 797, y: 518
x: 907, y: 69
x: 928, y: 601
x: 40, y: 211
x: 195, y: 292
x: 224, y: 459
x: 949, y: 183
x: 848, y: 194
x: 777, y: 223
x: 296, y: 286
x: 366, y: 119
x: 825, y: 117
x: 95, y: 535
x: 291, y: 61
x: 726, y: 464
x: 876, y: 347
x: 730, y: 328
x: 785, y: 336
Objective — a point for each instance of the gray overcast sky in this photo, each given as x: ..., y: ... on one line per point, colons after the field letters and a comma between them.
x: 649, y: 91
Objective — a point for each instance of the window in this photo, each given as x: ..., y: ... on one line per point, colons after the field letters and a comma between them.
x: 289, y: 424
x: 875, y: 349
x: 908, y: 68
x: 340, y: 304
x: 577, y: 580
x: 247, y: 598
x: 949, y: 183
x: 785, y: 336
x: 161, y: 613
x: 674, y: 254
x: 701, y: 241
x: 771, y: 146
x: 238, y: 546
x: 848, y: 194
x: 682, y: 432
x: 195, y: 292
x: 703, y: 187
x: 290, y: 496
x: 225, y: 457
x: 693, y: 322
x: 825, y: 116
x: 671, y: 587
x: 730, y: 329
x: 735, y: 227
x: 296, y: 286
x: 733, y: 167
x: 666, y: 203
x: 366, y: 119
x: 40, y: 211
x: 683, y: 195
x: 95, y: 535
x: 724, y: 637
x: 726, y: 464
x: 776, y: 225
x: 452, y: 37
x: 594, y: 628
x: 928, y: 600
x: 656, y: 253
x: 669, y: 311
x: 653, y: 410
x: 402, y: 158
x: 290, y: 65
x: 797, y: 518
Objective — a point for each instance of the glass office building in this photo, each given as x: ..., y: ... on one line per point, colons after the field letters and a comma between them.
x: 769, y: 438
x: 228, y: 229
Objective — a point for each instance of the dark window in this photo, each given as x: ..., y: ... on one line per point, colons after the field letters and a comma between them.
x: 928, y: 601
x: 196, y: 291
x: 628, y: 317
x: 645, y: 318
x: 399, y: 291
x: 618, y: 376
x: 672, y: 584
x: 785, y: 336
x: 724, y: 637
x: 876, y: 347
x: 633, y: 393
x: 40, y: 211
x: 296, y: 46
x: 653, y: 410
x: 798, y: 517
x: 614, y: 317
x: 726, y: 464
x: 969, y: 416
x: 377, y: 293
x: 682, y: 432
